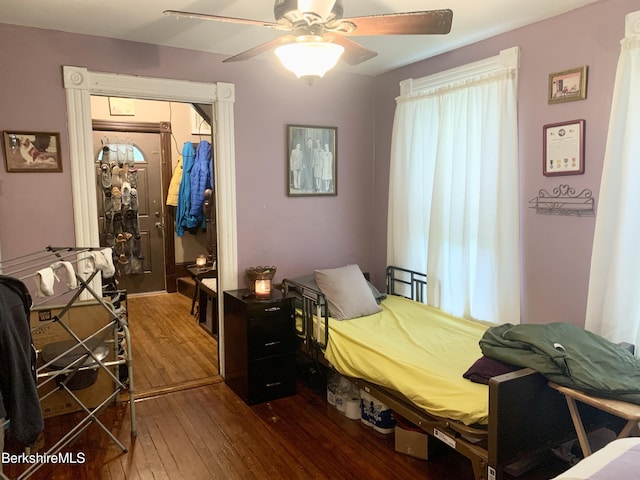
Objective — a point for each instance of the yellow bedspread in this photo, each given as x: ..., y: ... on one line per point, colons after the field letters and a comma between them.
x: 417, y: 350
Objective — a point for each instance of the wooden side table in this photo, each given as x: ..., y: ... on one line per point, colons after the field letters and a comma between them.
x: 208, y: 305
x: 198, y: 274
x: 628, y: 411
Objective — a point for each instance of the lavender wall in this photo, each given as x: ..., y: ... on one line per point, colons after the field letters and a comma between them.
x: 299, y: 234
x: 556, y: 250
x: 295, y: 234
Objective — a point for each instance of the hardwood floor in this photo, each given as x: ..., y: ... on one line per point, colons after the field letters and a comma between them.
x: 169, y: 347
x: 207, y: 432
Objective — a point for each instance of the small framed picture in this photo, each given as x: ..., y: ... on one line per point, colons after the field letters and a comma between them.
x: 563, y: 145
x: 32, y: 151
x: 312, y: 160
x: 122, y: 106
x: 568, y: 85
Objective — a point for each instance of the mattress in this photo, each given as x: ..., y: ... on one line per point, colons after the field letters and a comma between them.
x: 416, y: 350
x: 618, y: 460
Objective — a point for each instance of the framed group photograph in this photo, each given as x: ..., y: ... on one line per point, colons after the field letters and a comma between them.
x: 312, y: 160
x: 563, y: 147
x: 32, y: 151
x: 568, y: 85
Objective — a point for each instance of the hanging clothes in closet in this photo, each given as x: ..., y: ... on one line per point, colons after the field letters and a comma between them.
x: 174, y: 184
x: 196, y: 178
x: 184, y: 194
x: 200, y: 181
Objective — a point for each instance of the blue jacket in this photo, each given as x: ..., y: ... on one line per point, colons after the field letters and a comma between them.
x: 184, y: 194
x: 200, y: 181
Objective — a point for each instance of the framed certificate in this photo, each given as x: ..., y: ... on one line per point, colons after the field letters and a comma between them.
x: 563, y: 145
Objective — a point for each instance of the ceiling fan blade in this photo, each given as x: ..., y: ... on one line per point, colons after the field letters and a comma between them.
x: 354, y: 53
x: 204, y: 16
x: 264, y: 47
x: 409, y: 23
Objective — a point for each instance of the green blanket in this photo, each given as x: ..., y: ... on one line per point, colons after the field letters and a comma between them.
x: 569, y: 356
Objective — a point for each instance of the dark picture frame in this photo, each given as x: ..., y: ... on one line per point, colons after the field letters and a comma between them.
x: 568, y: 85
x: 312, y: 161
x: 31, y: 152
x: 563, y: 148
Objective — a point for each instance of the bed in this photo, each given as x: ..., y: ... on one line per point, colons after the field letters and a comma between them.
x: 412, y: 357
x: 618, y: 459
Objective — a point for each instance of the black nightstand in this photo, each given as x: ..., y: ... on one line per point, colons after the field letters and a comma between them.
x: 260, y: 346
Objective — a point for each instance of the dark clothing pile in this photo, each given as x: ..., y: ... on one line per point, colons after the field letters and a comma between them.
x: 569, y: 356
x: 18, y: 393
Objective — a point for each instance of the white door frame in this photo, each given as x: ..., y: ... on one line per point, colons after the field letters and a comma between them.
x: 81, y: 83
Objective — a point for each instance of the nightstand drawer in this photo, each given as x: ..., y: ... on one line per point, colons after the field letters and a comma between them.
x: 268, y: 308
x: 270, y: 336
x: 272, y: 378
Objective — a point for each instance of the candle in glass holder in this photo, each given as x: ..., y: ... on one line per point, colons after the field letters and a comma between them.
x: 263, y: 288
x: 201, y: 261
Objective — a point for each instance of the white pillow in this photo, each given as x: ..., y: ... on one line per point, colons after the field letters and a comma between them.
x: 347, y: 292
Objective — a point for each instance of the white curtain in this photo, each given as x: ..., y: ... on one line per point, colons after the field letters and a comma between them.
x: 453, y: 195
x: 613, y: 308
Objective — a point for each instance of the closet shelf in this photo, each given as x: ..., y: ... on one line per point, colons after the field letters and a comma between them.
x: 564, y: 201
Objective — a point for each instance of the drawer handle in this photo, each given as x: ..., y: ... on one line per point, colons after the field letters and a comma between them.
x: 272, y: 309
x: 274, y: 384
x: 271, y: 344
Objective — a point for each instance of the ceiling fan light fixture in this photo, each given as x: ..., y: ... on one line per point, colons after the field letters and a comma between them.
x: 309, y: 59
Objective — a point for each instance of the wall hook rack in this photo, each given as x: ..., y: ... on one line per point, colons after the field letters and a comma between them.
x: 564, y: 201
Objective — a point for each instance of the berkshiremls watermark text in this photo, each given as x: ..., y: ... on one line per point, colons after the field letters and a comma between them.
x: 60, y: 457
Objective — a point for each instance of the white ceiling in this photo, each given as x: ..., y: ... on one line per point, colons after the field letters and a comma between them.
x: 143, y: 21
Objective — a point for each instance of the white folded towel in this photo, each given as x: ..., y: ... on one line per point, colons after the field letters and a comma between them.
x: 45, y: 280
x: 72, y: 282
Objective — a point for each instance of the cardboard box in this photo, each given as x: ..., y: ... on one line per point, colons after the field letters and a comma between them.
x: 84, y: 319
x: 410, y: 440
x: 61, y: 403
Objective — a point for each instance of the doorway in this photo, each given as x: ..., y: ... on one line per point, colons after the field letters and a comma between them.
x: 133, y: 165
x: 80, y: 83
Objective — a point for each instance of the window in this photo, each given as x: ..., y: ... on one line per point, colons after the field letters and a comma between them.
x: 121, y: 152
x: 453, y: 188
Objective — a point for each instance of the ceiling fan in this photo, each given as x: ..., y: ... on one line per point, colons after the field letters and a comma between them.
x: 316, y: 27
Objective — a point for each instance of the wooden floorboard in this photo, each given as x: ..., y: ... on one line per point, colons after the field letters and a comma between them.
x: 209, y: 433
x: 169, y: 347
x: 197, y: 428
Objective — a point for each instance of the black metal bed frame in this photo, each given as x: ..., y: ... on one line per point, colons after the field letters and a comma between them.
x: 526, y: 417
